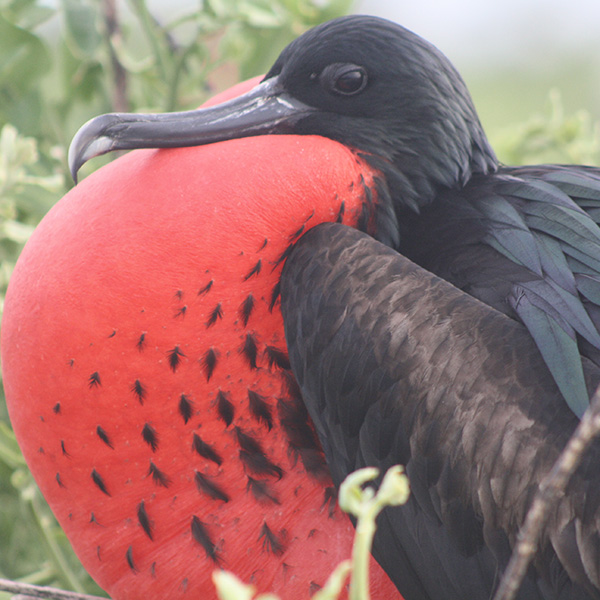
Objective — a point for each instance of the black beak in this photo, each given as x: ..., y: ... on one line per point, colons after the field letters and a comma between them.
x: 267, y: 108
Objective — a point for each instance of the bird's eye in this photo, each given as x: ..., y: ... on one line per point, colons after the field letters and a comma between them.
x: 344, y: 79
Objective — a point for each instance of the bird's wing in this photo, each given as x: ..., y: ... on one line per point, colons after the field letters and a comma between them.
x: 527, y: 242
x: 398, y: 366
x: 558, y: 206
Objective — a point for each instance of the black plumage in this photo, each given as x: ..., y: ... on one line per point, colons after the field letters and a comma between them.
x: 525, y: 241
x: 476, y: 387
x: 411, y: 370
x: 519, y: 239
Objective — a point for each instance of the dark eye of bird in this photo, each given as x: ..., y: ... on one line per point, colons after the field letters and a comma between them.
x: 344, y: 79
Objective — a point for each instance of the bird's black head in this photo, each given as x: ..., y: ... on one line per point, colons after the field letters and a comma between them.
x: 364, y: 81
x: 382, y: 89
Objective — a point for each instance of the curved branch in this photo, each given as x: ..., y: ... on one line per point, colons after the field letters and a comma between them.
x: 552, y: 487
x: 28, y: 590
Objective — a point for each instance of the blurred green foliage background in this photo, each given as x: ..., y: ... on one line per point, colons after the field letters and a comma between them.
x: 64, y: 63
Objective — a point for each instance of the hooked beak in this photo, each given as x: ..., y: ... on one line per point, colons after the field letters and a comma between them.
x: 267, y: 108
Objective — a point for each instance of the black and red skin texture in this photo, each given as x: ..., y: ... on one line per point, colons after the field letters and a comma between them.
x: 147, y: 374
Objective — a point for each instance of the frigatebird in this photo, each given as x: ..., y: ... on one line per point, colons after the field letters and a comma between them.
x: 523, y: 240
x: 478, y: 415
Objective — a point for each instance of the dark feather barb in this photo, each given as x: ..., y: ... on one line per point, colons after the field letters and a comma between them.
x: 104, y: 437
x: 208, y: 362
x: 158, y: 476
x: 253, y: 456
x: 144, y: 519
x: 210, y: 488
x: 205, y: 450
x: 202, y: 537
x: 271, y: 542
x: 150, y: 436
x: 185, y: 408
x: 260, y: 409
x: 246, y: 308
x: 225, y: 408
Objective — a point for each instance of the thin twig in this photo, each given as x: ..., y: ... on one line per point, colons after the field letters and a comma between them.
x: 120, y: 101
x: 551, y: 488
x: 29, y: 590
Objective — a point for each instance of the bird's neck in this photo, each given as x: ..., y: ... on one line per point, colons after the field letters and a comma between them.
x: 411, y: 180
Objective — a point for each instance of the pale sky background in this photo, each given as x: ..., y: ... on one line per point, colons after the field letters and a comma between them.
x: 510, y: 52
x: 477, y: 30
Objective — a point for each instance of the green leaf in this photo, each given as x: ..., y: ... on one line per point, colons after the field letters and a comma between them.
x: 23, y: 58
x: 80, y: 19
x: 10, y: 454
x: 260, y: 16
x: 25, y: 112
x: 35, y: 15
